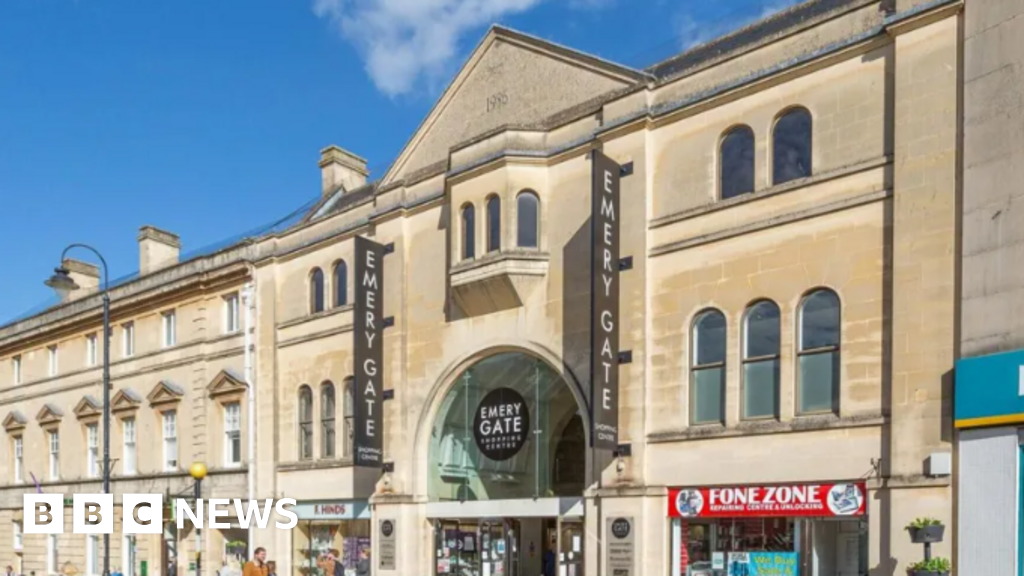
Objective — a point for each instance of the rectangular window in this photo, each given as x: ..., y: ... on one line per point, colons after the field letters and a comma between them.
x: 232, y: 434
x: 128, y: 339
x: 90, y: 350
x: 92, y: 555
x: 55, y: 455
x: 231, y: 313
x: 708, y: 386
x: 170, y: 329
x: 92, y: 433
x: 16, y: 527
x: 129, y: 555
x: 53, y: 361
x: 129, y: 456
x: 760, y: 388
x: 170, y: 441
x: 16, y: 368
x: 819, y: 382
x: 19, y: 446
x: 51, y: 554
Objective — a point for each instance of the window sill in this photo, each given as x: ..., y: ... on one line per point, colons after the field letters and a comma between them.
x: 314, y: 316
x: 768, y: 426
x: 497, y: 281
x: 321, y: 464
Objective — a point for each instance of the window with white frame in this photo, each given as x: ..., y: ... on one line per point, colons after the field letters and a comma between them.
x: 54, y: 455
x: 51, y: 554
x: 92, y: 555
x: 170, y: 328
x: 170, y: 419
x: 129, y: 554
x: 231, y: 313
x: 232, y: 434
x: 128, y: 339
x: 92, y: 438
x: 16, y: 528
x: 16, y: 369
x: 53, y: 360
x: 19, y: 447
x: 128, y: 464
x: 90, y: 350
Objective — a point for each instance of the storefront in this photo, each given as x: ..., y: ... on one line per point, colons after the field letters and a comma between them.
x: 340, y: 528
x: 786, y: 530
x: 989, y: 412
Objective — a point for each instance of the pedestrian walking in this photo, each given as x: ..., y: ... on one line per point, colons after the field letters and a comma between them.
x: 258, y: 565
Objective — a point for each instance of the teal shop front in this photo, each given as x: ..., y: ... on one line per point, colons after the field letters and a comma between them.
x: 989, y: 417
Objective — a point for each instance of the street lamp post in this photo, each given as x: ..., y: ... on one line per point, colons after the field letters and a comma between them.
x: 198, y: 472
x: 63, y: 285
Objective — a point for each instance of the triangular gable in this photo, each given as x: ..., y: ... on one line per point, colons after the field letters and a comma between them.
x: 511, y: 78
x: 165, y: 392
x: 14, y: 421
x: 225, y: 383
x: 49, y: 414
x: 88, y: 407
x: 126, y: 399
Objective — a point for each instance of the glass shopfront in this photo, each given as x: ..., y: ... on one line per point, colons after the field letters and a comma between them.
x: 810, y: 529
x: 335, y: 529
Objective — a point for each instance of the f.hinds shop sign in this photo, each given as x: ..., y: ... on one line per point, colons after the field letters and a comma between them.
x: 143, y: 513
x: 847, y: 499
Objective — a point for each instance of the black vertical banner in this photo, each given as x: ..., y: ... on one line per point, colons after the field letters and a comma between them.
x: 604, y: 322
x: 368, y: 358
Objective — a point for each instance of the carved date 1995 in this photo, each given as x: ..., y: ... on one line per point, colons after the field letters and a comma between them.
x: 496, y: 101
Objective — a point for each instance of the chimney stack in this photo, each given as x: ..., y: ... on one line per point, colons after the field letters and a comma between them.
x: 86, y: 275
x: 157, y: 249
x: 341, y: 167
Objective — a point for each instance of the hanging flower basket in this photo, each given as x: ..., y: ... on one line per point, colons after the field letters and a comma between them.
x: 926, y: 531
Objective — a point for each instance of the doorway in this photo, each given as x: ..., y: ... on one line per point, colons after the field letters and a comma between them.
x: 476, y: 547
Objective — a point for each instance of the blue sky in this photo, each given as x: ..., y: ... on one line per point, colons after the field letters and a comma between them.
x: 206, y: 118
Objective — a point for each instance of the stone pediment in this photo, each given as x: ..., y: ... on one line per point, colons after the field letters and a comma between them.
x: 88, y: 407
x: 511, y: 79
x: 49, y: 415
x: 125, y: 400
x: 165, y: 392
x: 15, y: 421
x: 226, y: 383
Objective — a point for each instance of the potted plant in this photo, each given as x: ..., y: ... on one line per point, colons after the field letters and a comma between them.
x: 934, y: 567
x: 925, y: 531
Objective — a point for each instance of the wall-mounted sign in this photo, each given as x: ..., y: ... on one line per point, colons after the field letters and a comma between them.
x: 387, y: 545
x: 501, y: 424
x: 620, y: 552
x: 847, y: 499
x: 332, y: 510
x: 369, y: 354
x: 604, y: 290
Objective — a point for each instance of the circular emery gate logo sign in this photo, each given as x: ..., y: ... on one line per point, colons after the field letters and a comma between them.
x: 387, y: 528
x: 501, y: 424
x: 620, y: 528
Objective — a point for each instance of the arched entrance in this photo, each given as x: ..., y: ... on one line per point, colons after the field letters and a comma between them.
x: 507, y: 468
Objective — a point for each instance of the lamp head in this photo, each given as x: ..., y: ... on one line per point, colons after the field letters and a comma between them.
x: 197, y: 470
x: 62, y: 283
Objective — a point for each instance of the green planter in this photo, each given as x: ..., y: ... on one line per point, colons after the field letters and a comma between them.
x: 926, y: 573
x: 927, y: 534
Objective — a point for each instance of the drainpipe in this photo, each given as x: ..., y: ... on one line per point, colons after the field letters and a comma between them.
x: 249, y: 305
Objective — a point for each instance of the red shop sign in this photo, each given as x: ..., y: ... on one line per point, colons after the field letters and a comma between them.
x: 844, y: 499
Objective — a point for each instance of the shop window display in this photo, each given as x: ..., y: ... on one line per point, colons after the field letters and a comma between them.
x: 320, y: 545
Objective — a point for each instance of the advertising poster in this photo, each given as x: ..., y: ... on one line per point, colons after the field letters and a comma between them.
x: 763, y: 564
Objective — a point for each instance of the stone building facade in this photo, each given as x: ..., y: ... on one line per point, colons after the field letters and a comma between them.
x: 790, y: 212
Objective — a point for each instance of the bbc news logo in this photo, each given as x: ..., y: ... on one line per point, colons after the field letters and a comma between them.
x: 143, y: 513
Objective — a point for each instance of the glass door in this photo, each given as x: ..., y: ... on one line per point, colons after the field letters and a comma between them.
x: 570, y: 547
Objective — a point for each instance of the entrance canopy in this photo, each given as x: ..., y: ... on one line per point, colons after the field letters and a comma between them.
x: 509, y: 428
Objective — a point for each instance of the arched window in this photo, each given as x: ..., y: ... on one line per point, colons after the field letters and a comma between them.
x: 761, y: 360
x: 468, y: 232
x: 527, y: 220
x: 707, y: 381
x: 349, y: 409
x: 327, y: 416
x: 305, y: 423
x: 316, y: 291
x: 493, y: 224
x: 818, y: 353
x: 340, y: 283
x: 736, y: 162
x: 791, y: 146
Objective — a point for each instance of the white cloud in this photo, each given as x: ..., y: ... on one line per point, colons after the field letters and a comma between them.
x: 693, y: 32
x: 405, y: 42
